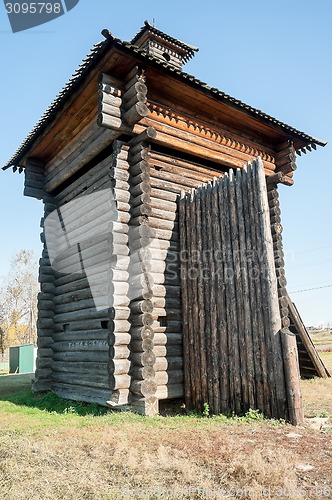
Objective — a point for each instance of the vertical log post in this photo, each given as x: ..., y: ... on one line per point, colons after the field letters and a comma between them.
x: 143, y: 386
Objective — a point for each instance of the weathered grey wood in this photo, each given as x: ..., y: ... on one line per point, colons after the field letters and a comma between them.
x: 171, y: 391
x: 169, y: 377
x: 260, y: 349
x: 145, y: 388
x: 80, y: 393
x: 292, y: 377
x: 271, y: 290
x: 136, y: 113
x: 89, y: 380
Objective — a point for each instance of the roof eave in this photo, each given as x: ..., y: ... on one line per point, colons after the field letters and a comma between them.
x: 94, y: 57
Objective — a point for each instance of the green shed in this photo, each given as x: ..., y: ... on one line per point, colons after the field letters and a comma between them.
x: 22, y: 359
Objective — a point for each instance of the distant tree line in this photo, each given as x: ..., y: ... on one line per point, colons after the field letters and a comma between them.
x: 18, y: 301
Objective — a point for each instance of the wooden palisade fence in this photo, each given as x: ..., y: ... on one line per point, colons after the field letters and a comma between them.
x: 237, y: 354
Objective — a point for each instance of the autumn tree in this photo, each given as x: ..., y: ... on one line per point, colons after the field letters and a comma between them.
x: 18, y: 301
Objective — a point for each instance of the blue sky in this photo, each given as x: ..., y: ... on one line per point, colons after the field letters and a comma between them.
x: 275, y: 56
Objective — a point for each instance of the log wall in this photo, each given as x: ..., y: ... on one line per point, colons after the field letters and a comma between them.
x: 236, y: 354
x: 168, y: 177
x: 45, y: 322
x: 89, y: 240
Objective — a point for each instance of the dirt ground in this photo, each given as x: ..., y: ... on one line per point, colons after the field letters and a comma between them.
x: 52, y: 454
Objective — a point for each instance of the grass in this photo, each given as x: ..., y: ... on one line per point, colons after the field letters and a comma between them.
x: 317, y: 393
x: 321, y: 337
x: 51, y: 448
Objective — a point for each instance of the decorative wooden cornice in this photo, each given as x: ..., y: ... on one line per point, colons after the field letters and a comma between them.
x: 199, y: 128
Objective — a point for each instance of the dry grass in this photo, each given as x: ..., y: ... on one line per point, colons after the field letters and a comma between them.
x: 107, y: 462
x: 51, y: 456
x: 317, y: 393
x: 321, y: 336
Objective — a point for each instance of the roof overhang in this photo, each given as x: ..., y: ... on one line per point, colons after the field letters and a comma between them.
x: 105, y: 56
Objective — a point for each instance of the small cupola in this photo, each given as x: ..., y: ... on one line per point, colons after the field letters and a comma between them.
x: 163, y: 47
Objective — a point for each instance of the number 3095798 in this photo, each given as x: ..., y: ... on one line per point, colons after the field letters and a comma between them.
x: 33, y: 8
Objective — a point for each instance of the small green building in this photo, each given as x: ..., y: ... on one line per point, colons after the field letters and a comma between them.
x: 22, y: 359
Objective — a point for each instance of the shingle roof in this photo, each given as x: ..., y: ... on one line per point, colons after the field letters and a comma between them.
x: 190, y: 49
x: 95, y: 55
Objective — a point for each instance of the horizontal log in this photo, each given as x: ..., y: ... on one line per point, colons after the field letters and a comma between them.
x: 45, y: 332
x: 111, y: 80
x: 119, y: 313
x: 141, y: 345
x: 139, y: 178
x: 119, y: 366
x: 142, y: 188
x: 120, y: 381
x: 109, y: 109
x: 45, y: 323
x: 287, y: 168
x: 141, y: 332
x: 168, y: 339
x: 136, y: 88
x: 79, y: 325
x: 45, y: 342
x: 141, y: 306
x: 136, y: 113
x: 85, y: 314
x: 145, y: 388
x: 168, y: 350
x: 146, y: 358
x: 143, y: 373
x: 139, y: 97
x: 166, y: 290
x: 85, y: 368
x: 169, y: 377
x: 32, y: 192
x: 108, y: 98
x: 143, y: 209
x: 82, y: 393
x: 111, y: 122
x: 44, y: 313
x: 43, y: 373
x: 165, y: 302
x: 172, y: 391
x: 79, y: 356
x: 275, y: 179
x: 119, y: 338
x: 81, y: 345
x: 139, y: 168
x: 285, y: 156
x: 80, y: 305
x: 172, y: 363
x: 286, y: 144
x: 80, y: 156
x: 119, y: 352
x: 172, y: 314
x: 149, y: 133
x: 44, y: 363
x: 171, y: 326
x: 136, y: 157
x: 69, y: 335
x: 140, y: 198
x: 144, y: 319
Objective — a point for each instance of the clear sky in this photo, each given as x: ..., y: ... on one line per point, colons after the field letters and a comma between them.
x: 275, y: 56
